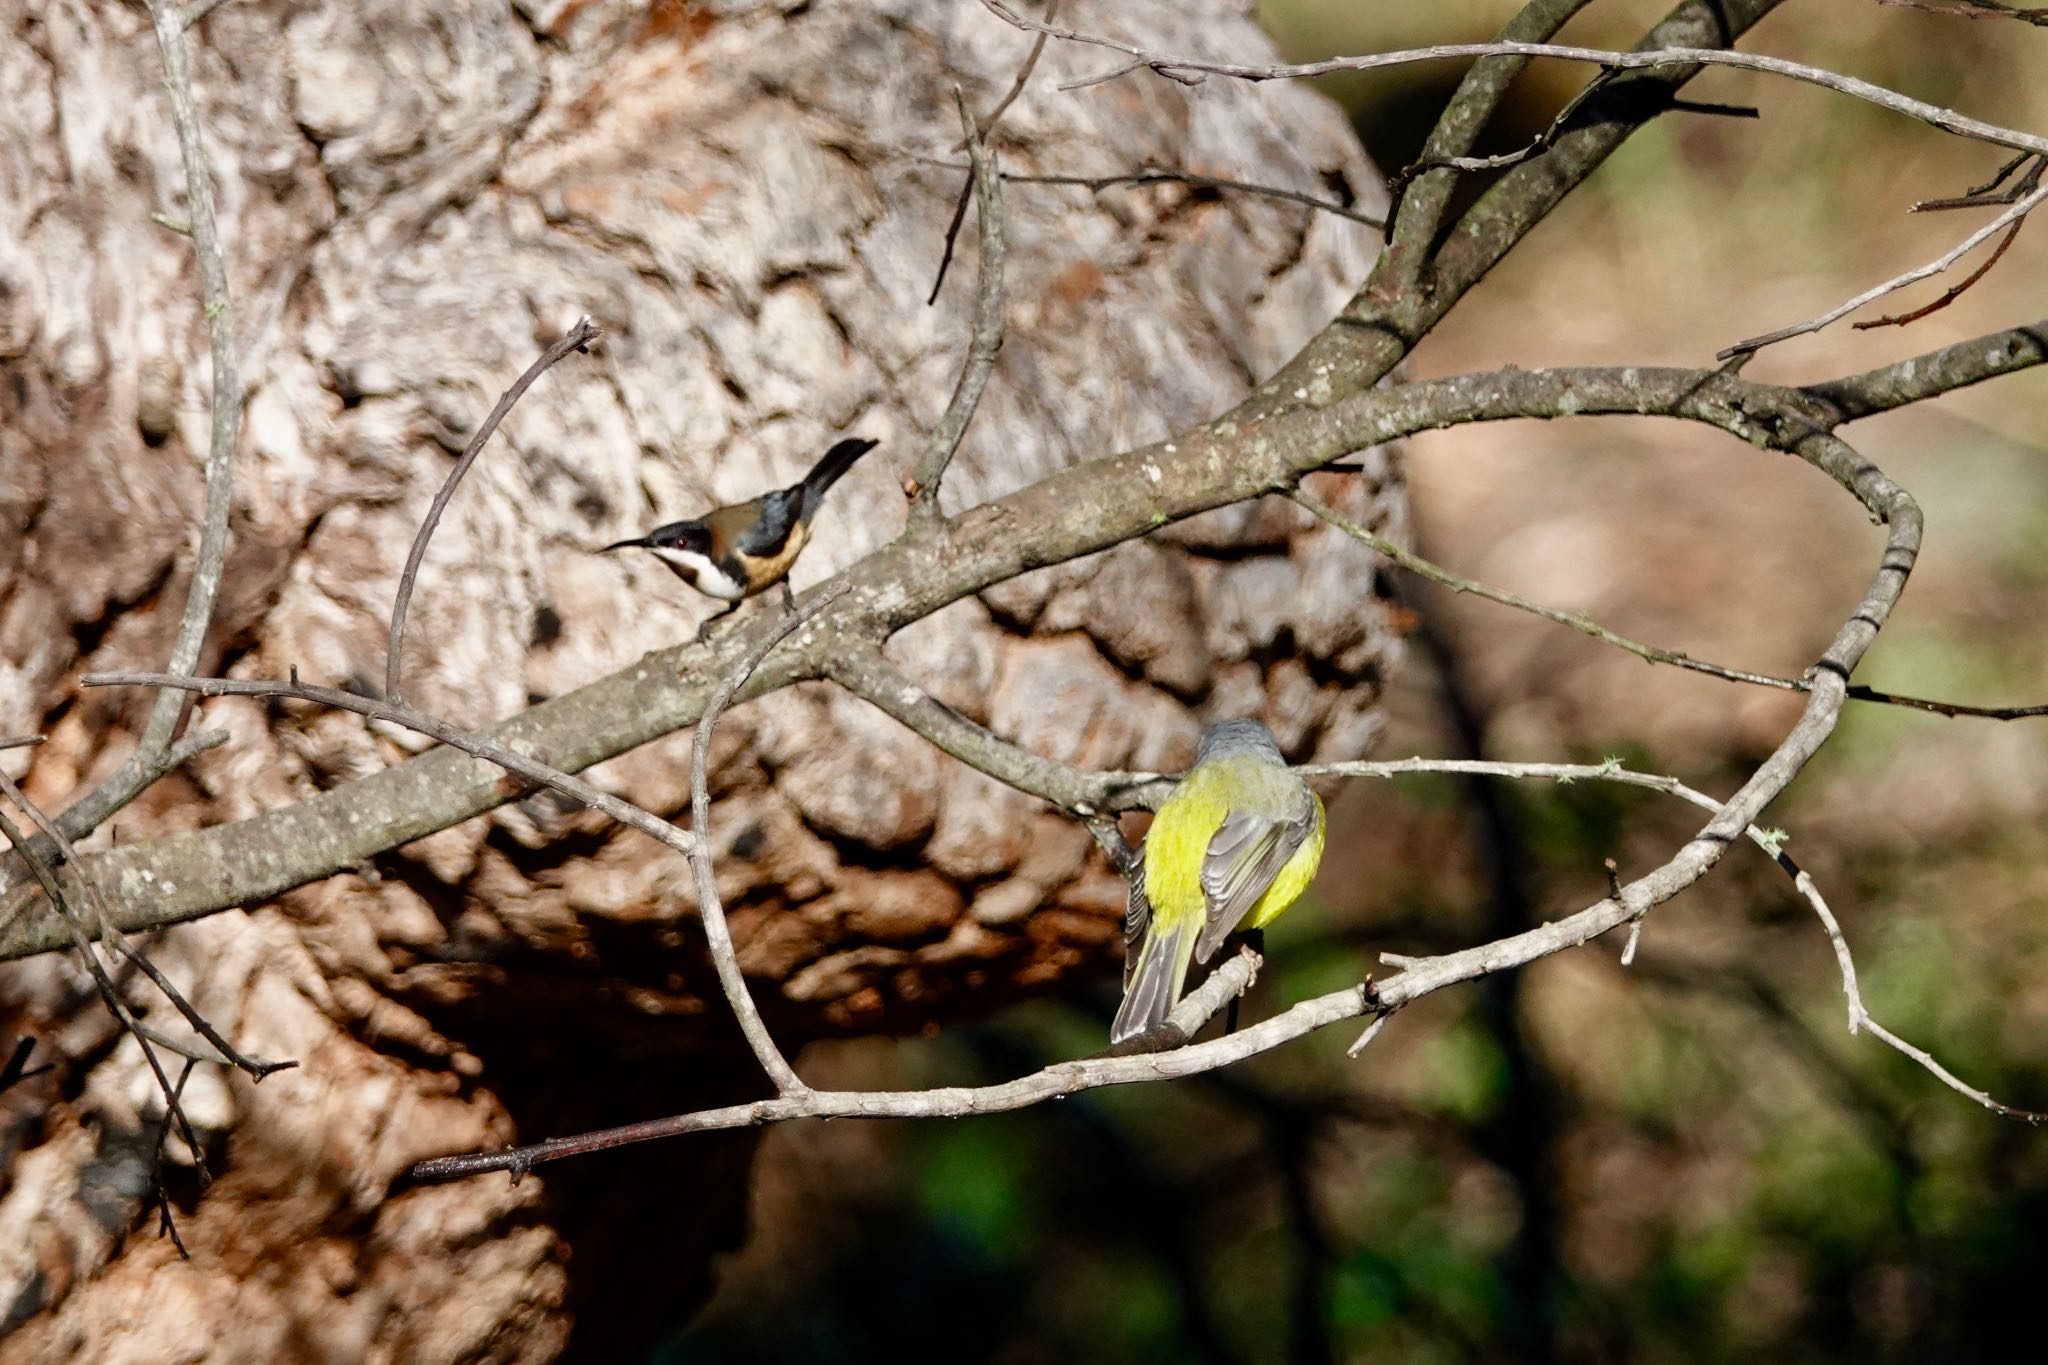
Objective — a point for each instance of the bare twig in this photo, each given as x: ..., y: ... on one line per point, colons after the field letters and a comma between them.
x: 16, y: 1069
x: 1565, y: 119
x: 398, y: 713
x: 578, y: 338
x: 148, y: 763
x: 939, y: 448
x: 60, y: 902
x: 716, y: 933
x: 1187, y: 70
x: 1030, y: 64
x: 1153, y: 175
x: 167, y: 1226
x: 1989, y: 194
x: 106, y: 931
x: 1585, y: 625
x: 1949, y: 295
x: 22, y: 741
x: 2010, y: 218
x: 1972, y: 9
x: 981, y: 130
x: 1859, y: 1017
x: 1372, y: 1031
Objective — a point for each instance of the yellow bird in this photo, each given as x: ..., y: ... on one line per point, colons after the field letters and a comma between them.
x: 1235, y: 845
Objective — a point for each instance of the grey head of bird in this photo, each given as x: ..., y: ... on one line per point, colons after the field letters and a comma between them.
x: 1241, y: 738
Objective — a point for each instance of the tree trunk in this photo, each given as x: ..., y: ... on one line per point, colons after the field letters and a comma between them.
x: 416, y: 199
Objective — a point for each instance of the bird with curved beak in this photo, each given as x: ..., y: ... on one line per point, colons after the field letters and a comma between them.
x: 734, y: 552
x: 1235, y: 845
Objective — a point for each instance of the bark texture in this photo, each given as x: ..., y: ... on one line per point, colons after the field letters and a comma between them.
x: 415, y: 200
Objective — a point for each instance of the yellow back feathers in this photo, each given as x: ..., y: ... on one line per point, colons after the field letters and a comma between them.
x: 1235, y: 845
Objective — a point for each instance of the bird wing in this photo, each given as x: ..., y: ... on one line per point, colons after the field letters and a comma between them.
x: 767, y: 534
x: 1244, y: 856
x: 1137, y: 918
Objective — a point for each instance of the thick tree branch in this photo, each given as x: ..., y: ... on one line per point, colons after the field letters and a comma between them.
x: 493, y: 752
x: 1426, y: 197
x: 1915, y: 380
x: 1076, y: 511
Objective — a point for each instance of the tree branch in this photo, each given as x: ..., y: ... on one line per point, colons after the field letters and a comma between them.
x: 1078, y: 510
x: 499, y: 754
x: 1181, y: 68
x: 151, y: 760
x: 922, y: 486
x: 1153, y: 175
x: 1656, y: 654
x: 2010, y: 218
x: 106, y: 931
x: 716, y: 933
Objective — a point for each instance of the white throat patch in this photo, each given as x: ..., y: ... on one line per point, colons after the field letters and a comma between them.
x: 701, y: 573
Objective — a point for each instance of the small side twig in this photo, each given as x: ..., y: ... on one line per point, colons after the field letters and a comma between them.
x: 1155, y: 175
x: 1656, y: 654
x: 922, y: 486
x: 1973, y: 9
x: 16, y: 1069
x: 1994, y: 191
x: 108, y: 932
x: 1949, y: 295
x: 2010, y: 218
x: 398, y: 713
x: 717, y: 934
x: 54, y: 891
x: 578, y: 338
x: 1558, y: 126
x: 167, y: 1226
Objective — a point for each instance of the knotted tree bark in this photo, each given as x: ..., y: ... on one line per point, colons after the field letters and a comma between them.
x: 746, y: 198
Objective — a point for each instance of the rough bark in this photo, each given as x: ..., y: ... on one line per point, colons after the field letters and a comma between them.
x: 415, y: 199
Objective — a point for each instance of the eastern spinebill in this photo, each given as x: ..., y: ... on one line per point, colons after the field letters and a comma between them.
x: 734, y: 552
x: 1234, y: 846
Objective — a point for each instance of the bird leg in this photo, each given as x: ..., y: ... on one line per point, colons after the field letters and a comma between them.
x: 713, y: 619
x: 788, y: 599
x: 1254, y: 939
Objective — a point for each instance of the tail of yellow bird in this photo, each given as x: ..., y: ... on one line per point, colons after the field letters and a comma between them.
x: 1154, y: 983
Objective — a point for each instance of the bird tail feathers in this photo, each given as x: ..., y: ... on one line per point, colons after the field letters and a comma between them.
x: 834, y: 463
x: 1154, y: 984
